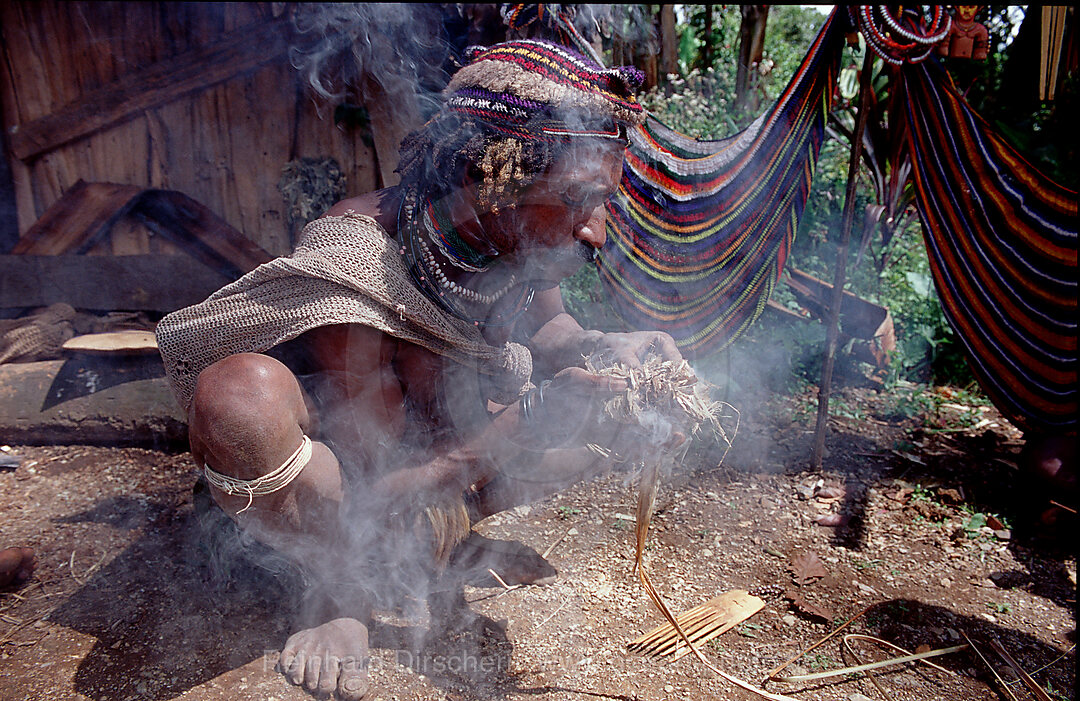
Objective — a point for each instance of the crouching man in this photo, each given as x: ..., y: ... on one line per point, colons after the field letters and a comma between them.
x: 410, y: 369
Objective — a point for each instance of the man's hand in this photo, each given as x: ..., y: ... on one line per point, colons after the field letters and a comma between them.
x: 631, y: 348
x: 569, y: 410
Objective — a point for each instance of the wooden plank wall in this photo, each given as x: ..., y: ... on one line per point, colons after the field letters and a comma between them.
x: 223, y: 146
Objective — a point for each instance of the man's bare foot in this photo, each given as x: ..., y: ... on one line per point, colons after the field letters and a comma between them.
x: 329, y: 659
x: 16, y: 565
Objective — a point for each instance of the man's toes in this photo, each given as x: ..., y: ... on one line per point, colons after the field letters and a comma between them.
x: 292, y: 665
x: 328, y: 677
x: 352, y: 684
x: 288, y: 656
x: 311, y: 672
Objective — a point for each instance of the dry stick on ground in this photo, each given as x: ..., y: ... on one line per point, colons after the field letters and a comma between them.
x: 552, y: 546
x: 869, y: 675
x: 1045, y: 666
x: 913, y: 657
x: 777, y: 670
x: 997, y: 676
x: 833, y: 329
x: 561, y: 607
x: 902, y: 651
x: 1034, y: 688
x: 1062, y: 506
x: 499, y: 579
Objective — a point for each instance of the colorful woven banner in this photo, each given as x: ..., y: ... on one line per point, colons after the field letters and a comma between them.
x: 1002, y: 241
x: 699, y: 231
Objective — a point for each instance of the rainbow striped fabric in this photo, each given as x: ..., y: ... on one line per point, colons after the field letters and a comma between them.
x: 699, y: 231
x: 1002, y: 242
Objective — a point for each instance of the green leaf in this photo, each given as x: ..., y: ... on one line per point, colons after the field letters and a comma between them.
x: 921, y: 283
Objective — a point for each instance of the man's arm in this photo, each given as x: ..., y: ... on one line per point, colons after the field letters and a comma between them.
x: 558, y: 341
x: 363, y: 362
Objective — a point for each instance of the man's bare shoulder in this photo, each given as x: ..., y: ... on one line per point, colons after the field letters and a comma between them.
x: 380, y: 205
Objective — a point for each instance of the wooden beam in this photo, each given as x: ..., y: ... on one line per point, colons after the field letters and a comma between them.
x: 86, y: 212
x: 153, y: 283
x: 193, y: 71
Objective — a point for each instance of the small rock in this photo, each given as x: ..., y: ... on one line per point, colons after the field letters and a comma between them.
x: 831, y: 520
x: 858, y: 697
x: 706, y: 552
x: 789, y: 619
x: 572, y: 531
x: 1003, y: 534
x: 988, y: 617
x: 946, y: 582
x: 669, y: 688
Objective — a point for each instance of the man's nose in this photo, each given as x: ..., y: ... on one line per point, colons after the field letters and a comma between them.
x: 593, y: 231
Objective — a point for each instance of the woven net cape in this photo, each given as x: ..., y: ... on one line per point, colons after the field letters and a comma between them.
x: 345, y: 270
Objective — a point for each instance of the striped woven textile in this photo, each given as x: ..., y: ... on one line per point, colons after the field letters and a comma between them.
x: 1002, y: 243
x: 699, y: 231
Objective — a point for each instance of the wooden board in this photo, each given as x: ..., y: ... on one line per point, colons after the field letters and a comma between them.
x: 165, y: 81
x: 106, y: 283
x: 129, y: 342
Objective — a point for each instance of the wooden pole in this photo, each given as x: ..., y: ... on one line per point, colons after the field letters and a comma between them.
x: 833, y: 322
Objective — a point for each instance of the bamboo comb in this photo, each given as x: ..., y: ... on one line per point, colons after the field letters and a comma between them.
x: 701, y: 624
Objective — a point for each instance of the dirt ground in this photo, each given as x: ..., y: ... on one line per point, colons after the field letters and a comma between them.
x: 939, y: 540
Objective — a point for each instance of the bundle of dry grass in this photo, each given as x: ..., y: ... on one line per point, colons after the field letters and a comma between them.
x: 670, y: 389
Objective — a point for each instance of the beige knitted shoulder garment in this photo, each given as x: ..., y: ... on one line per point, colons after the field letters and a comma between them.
x: 345, y: 270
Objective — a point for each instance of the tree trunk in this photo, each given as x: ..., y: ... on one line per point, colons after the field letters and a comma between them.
x: 707, y: 43
x: 751, y: 46
x: 669, y: 42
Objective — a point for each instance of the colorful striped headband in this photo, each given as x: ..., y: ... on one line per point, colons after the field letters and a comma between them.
x: 528, y: 88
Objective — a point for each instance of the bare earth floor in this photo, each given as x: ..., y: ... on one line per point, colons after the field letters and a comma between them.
x: 941, y: 539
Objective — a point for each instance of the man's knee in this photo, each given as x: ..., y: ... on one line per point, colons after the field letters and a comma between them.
x: 246, y: 411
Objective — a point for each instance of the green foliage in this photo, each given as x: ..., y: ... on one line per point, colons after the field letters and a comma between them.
x: 921, y: 493
x: 700, y: 105
x: 566, y: 512
x: 973, y: 524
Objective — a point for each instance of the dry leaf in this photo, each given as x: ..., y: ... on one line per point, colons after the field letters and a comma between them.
x: 809, y: 609
x: 806, y: 568
x: 950, y: 496
x: 900, y: 494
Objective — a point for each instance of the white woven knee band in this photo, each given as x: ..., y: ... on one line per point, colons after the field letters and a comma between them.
x: 268, y: 483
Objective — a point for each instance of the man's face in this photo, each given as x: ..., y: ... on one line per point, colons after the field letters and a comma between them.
x: 560, y: 218
x: 967, y: 12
